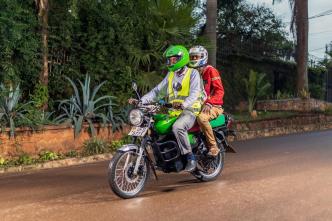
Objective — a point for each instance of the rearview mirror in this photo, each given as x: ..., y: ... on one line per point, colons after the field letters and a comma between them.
x: 134, y: 86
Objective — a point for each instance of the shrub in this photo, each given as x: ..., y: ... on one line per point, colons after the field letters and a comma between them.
x: 71, y: 153
x: 2, y: 161
x: 25, y: 159
x: 48, y: 155
x: 95, y: 146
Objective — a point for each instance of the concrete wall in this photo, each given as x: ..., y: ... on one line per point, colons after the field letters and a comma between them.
x: 297, y: 104
x: 289, y: 125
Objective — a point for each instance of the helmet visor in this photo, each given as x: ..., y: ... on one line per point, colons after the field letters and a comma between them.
x: 195, y: 56
x: 172, y: 60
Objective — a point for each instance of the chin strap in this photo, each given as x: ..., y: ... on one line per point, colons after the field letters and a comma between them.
x: 180, y: 71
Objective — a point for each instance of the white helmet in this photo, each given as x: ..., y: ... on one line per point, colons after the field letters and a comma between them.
x: 198, y: 56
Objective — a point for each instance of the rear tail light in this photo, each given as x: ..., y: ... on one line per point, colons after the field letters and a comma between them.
x: 230, y: 122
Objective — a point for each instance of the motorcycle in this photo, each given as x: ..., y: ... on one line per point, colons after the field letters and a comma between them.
x: 154, y: 147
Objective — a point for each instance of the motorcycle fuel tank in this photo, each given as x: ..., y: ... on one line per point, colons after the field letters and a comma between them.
x: 163, y: 123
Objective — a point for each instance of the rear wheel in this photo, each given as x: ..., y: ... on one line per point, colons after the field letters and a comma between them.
x: 209, y: 168
x: 121, y: 177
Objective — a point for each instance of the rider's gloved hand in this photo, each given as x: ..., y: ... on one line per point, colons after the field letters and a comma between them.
x: 177, y: 105
x: 132, y: 101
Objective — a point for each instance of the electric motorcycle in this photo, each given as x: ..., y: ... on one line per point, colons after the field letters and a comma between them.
x: 154, y: 147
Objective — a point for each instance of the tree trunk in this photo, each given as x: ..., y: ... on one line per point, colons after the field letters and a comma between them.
x: 210, y: 30
x: 302, y: 28
x: 43, y: 6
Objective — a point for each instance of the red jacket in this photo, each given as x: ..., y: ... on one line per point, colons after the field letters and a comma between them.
x: 213, y: 86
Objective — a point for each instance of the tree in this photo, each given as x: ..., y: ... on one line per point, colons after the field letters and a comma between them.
x: 252, y: 31
x: 300, y: 27
x: 43, y: 7
x: 210, y: 29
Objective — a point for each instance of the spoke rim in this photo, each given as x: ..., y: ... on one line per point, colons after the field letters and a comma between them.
x: 122, y: 174
x: 211, y: 167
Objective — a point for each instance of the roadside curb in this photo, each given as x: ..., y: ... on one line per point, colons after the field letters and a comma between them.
x: 58, y: 163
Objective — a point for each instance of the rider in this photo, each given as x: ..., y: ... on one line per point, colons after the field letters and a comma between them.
x: 214, y: 90
x: 183, y: 87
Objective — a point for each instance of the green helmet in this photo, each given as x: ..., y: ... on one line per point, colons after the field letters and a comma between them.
x: 182, y: 55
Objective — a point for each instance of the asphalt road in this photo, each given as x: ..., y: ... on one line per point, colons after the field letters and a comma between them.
x: 281, y: 178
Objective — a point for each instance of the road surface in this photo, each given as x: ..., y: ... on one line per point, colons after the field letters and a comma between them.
x: 280, y: 178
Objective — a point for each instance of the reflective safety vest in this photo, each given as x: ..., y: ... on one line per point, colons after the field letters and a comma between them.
x: 182, y: 94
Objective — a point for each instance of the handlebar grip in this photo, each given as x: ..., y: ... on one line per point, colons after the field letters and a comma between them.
x: 168, y: 105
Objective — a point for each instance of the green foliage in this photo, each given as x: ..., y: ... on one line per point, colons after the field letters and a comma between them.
x: 40, y: 96
x: 283, y: 95
x: 252, y: 30
x: 304, y: 94
x: 116, y: 144
x: 118, y: 41
x: 3, y: 161
x: 317, y: 81
x: 25, y: 159
x: 95, y: 146
x: 71, y: 153
x: 35, y: 118
x: 116, y: 118
x: 19, y: 43
x: 84, y: 106
x: 252, y: 37
x: 256, y: 88
x: 48, y: 155
x: 10, y: 110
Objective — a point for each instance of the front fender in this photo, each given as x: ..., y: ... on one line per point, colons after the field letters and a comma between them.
x: 128, y: 147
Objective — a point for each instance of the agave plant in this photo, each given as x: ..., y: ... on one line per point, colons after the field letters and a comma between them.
x: 116, y: 119
x: 84, y: 106
x: 10, y: 110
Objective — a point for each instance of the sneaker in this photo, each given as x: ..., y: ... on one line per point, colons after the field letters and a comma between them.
x: 214, y: 151
x: 191, y: 166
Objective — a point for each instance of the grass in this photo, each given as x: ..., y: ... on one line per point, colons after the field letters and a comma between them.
x: 263, y: 115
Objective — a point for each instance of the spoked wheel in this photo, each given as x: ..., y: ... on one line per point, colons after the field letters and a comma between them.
x: 121, y: 177
x: 209, y: 168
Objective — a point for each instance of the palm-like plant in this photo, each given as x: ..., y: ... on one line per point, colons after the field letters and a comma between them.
x: 256, y: 87
x: 84, y: 106
x: 10, y: 110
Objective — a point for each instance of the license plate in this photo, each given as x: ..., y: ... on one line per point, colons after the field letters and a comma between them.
x: 138, y: 131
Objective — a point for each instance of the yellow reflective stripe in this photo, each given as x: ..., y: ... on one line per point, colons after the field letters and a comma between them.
x: 170, y: 86
x: 183, y: 93
x: 185, y: 84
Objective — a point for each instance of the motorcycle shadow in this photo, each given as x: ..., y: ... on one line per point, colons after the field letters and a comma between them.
x: 171, y: 183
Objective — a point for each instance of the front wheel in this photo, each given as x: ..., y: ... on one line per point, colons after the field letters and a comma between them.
x: 121, y: 177
x: 209, y: 168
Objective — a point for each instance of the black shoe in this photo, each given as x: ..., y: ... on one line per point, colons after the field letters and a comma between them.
x: 191, y: 166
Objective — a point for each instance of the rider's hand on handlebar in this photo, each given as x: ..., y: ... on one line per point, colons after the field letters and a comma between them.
x: 177, y: 105
x: 132, y: 101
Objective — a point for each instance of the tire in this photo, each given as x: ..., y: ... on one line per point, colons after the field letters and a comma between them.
x: 205, y: 177
x: 144, y: 172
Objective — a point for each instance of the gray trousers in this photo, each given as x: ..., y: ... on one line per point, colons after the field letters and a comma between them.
x: 180, y: 129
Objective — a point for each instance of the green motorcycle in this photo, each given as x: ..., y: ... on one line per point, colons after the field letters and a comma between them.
x: 155, y: 147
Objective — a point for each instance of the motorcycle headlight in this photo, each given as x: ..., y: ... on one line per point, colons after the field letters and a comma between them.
x: 136, y: 117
